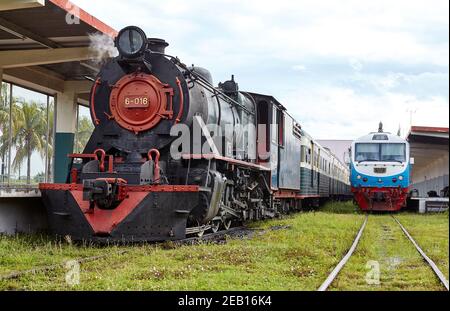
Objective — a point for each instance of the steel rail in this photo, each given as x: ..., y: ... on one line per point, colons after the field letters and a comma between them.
x: 36, y: 270
x: 433, y: 266
x: 208, y: 236
x: 332, y: 276
x: 42, y: 269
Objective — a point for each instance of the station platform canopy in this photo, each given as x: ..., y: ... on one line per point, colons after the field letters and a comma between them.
x: 47, y: 46
x: 430, y: 150
x: 428, y: 143
x: 44, y: 44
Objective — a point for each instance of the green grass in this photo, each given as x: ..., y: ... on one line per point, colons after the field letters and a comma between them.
x: 23, y: 252
x: 297, y: 257
x: 339, y: 207
x: 431, y: 232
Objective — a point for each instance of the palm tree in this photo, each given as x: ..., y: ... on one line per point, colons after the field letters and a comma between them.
x: 84, y: 132
x: 48, y: 138
x: 16, y: 116
x: 3, y: 106
x: 29, y: 131
x: 31, y: 127
x: 4, y: 121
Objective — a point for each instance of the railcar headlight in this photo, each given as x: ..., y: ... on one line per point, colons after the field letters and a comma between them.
x: 131, y: 42
x: 400, y: 177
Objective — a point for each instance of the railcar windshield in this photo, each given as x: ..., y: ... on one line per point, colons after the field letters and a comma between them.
x: 367, y: 152
x: 376, y: 152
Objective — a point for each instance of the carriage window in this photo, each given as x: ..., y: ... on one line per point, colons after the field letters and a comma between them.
x: 264, y: 125
x: 274, y: 125
x: 280, y: 128
x: 393, y: 152
x: 304, y: 156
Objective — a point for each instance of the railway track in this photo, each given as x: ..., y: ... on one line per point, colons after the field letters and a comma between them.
x: 218, y: 237
x: 242, y: 232
x: 334, y: 274
x: 42, y: 269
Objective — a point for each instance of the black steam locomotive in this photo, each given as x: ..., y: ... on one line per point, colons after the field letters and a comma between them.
x: 172, y: 155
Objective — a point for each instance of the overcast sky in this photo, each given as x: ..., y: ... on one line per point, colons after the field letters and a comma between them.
x: 338, y: 66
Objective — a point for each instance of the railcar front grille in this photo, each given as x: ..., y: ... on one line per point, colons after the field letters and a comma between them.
x: 379, y: 170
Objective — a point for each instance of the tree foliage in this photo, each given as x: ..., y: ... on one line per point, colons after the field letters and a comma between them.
x: 30, y: 126
x: 84, y: 131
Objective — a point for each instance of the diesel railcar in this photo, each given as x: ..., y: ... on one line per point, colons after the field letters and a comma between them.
x: 380, y: 171
x: 173, y: 155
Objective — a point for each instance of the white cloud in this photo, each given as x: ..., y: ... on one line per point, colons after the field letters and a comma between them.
x: 274, y: 47
x: 356, y: 64
x: 339, y: 113
x: 366, y: 30
x: 299, y: 68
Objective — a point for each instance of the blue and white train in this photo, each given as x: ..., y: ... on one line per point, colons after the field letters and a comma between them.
x: 380, y: 171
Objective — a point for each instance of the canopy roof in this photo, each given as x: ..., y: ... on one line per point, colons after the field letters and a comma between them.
x: 45, y: 43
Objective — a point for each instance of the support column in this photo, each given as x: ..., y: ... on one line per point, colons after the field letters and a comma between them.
x: 66, y: 112
x: 2, y: 165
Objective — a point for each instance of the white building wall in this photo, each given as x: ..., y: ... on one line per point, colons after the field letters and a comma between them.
x: 437, y: 168
x: 434, y: 176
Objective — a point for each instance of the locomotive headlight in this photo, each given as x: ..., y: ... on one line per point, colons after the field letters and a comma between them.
x: 131, y: 42
x: 400, y: 177
x: 358, y: 177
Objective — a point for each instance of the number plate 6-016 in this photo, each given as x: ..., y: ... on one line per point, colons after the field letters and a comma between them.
x: 136, y: 101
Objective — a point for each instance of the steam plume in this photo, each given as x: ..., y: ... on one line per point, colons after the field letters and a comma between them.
x: 102, y: 47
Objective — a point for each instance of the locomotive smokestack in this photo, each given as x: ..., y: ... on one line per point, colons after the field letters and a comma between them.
x: 157, y: 45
